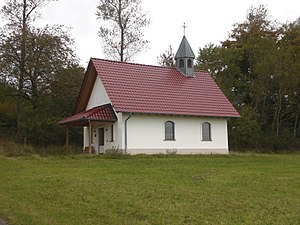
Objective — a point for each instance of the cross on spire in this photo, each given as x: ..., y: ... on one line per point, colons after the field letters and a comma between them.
x: 184, y: 26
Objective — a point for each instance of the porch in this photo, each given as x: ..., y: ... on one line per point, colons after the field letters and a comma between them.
x: 96, y: 123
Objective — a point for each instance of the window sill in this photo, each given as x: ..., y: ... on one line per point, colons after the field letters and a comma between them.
x: 169, y: 139
x: 206, y: 140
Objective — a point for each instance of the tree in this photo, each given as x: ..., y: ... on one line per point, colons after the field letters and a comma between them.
x: 48, y: 50
x: 254, y: 38
x: 7, y: 108
x: 20, y: 14
x: 57, y: 103
x: 167, y: 58
x: 290, y: 45
x: 65, y: 88
x: 33, y: 62
x: 123, y: 38
x: 223, y: 64
x: 258, y: 67
x: 245, y: 132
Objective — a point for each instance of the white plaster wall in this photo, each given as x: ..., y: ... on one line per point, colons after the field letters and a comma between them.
x: 119, y: 132
x: 108, y: 144
x: 98, y: 95
x: 95, y: 133
x: 85, y: 137
x: 146, y: 135
x: 117, y: 140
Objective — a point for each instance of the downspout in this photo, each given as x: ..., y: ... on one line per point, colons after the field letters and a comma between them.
x: 130, y: 114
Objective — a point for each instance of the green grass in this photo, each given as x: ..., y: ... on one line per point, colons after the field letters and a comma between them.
x: 234, y: 189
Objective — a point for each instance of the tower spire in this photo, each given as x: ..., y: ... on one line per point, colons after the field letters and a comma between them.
x: 185, y: 58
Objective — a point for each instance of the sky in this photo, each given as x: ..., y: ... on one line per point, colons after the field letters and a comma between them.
x: 207, y: 22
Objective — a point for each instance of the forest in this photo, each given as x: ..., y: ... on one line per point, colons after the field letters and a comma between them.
x: 40, y: 76
x: 257, y: 67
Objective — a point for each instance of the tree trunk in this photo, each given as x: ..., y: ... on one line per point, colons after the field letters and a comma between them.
x: 296, y: 124
x: 278, y: 112
x: 122, y: 45
x: 22, y: 66
x: 122, y: 32
x: 278, y: 115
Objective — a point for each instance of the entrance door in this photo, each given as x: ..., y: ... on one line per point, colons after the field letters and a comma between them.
x: 101, y: 140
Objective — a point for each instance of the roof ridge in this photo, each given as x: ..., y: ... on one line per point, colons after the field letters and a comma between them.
x: 93, y: 110
x: 142, y: 64
x: 132, y: 63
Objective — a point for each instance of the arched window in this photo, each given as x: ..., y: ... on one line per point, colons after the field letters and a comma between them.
x: 189, y: 63
x: 181, y: 63
x: 169, y: 130
x: 206, y: 132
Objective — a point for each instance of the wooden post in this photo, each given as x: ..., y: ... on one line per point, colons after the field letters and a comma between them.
x: 90, y: 138
x: 67, y: 139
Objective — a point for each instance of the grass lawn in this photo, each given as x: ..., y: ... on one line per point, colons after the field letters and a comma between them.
x: 80, y: 190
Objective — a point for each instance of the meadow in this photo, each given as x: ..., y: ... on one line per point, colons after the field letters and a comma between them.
x: 163, y: 189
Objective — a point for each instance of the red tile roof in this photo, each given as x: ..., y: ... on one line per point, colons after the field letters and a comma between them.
x: 160, y: 90
x: 99, y: 113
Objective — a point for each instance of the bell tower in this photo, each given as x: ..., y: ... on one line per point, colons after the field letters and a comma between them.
x: 185, y: 58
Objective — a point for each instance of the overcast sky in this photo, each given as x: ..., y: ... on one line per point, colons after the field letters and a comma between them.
x: 207, y: 21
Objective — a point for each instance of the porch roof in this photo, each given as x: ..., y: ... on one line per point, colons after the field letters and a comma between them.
x: 103, y: 113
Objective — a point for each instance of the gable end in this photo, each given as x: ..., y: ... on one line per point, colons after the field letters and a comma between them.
x: 86, y: 89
